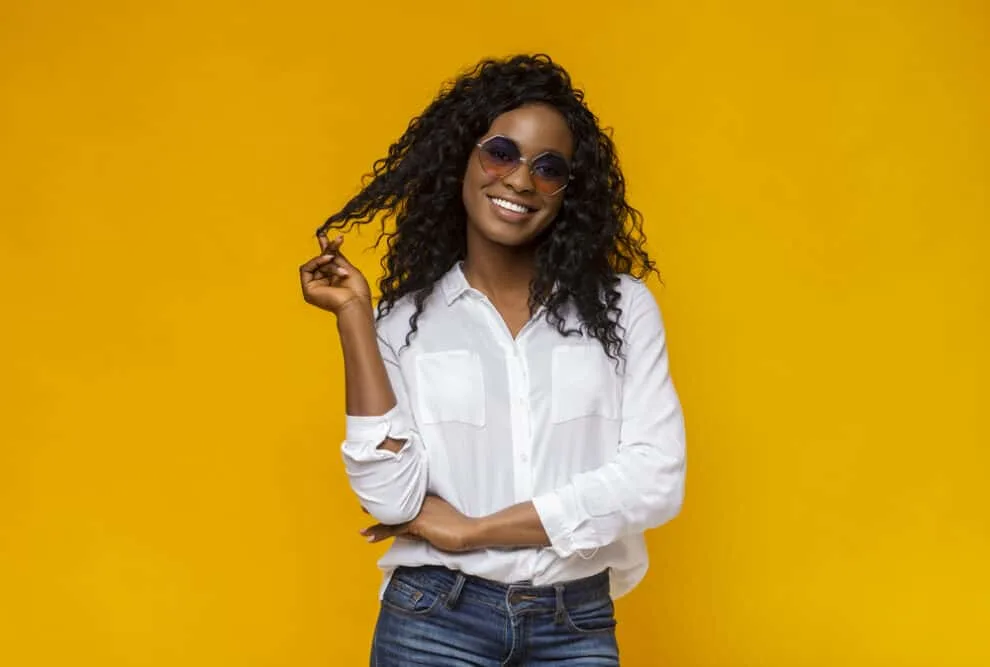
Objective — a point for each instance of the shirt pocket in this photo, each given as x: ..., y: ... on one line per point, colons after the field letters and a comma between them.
x: 450, y: 387
x: 584, y: 384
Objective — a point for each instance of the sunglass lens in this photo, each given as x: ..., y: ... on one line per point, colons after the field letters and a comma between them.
x: 550, y: 173
x: 499, y: 156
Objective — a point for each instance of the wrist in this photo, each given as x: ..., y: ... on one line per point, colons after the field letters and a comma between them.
x: 476, y: 535
x: 356, y: 309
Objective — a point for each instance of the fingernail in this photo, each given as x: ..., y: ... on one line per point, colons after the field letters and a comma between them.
x: 370, y: 538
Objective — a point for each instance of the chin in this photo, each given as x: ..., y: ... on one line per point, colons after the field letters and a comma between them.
x: 503, y: 234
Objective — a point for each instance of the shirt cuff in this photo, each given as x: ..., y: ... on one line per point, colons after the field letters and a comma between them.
x: 550, y: 509
x: 364, y: 434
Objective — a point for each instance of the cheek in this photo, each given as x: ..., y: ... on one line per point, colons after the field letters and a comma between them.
x: 471, y: 183
x: 469, y: 193
x: 553, y: 209
x: 474, y: 176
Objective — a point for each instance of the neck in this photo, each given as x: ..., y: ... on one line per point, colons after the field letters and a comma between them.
x: 500, y: 272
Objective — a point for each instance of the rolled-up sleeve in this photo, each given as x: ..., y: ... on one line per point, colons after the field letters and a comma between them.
x: 643, y: 485
x: 390, y: 485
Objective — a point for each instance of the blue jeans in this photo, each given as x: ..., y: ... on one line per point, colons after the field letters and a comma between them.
x: 442, y: 618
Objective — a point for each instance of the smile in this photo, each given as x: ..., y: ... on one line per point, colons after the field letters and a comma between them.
x: 511, y: 206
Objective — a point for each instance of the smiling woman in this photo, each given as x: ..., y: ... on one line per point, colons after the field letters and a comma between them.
x: 509, y: 205
x: 511, y: 421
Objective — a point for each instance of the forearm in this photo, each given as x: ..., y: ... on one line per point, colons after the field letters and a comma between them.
x: 368, y: 390
x: 521, y: 525
x: 641, y: 488
x: 515, y: 526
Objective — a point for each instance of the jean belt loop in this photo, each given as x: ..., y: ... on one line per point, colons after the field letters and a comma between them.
x: 558, y: 616
x: 455, y: 591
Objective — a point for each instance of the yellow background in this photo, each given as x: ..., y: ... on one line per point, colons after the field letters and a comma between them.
x: 814, y: 177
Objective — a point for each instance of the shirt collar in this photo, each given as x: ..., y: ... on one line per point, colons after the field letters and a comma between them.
x: 454, y: 284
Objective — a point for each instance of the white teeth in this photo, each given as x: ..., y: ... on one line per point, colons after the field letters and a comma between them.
x: 509, y: 206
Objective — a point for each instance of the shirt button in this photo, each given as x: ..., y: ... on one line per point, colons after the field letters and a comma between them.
x: 524, y: 458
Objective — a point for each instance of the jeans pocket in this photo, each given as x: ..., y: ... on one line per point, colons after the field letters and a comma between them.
x: 592, y: 616
x: 406, y: 598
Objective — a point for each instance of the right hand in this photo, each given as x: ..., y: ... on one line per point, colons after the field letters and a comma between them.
x: 330, y: 282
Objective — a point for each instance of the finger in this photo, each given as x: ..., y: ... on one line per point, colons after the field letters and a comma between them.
x: 309, y: 274
x: 374, y: 538
x: 329, y: 266
x: 343, y: 262
x: 314, y: 264
x: 339, y: 266
x: 378, y: 532
x: 328, y: 247
x: 331, y: 270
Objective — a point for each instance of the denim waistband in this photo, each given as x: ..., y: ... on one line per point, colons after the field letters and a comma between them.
x: 454, y: 584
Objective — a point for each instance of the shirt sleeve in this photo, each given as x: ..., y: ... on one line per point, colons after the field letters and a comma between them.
x: 643, y: 485
x: 390, y: 485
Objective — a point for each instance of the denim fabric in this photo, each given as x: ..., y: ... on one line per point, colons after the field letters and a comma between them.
x: 438, y: 617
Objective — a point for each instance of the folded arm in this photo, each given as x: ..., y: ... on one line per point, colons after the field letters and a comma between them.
x: 383, y: 454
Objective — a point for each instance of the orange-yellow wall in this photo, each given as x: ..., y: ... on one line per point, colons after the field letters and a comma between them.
x: 814, y: 177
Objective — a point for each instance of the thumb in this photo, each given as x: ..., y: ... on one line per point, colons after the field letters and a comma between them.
x: 343, y: 262
x: 342, y: 259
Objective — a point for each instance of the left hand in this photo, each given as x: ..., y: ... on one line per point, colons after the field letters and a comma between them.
x: 437, y: 522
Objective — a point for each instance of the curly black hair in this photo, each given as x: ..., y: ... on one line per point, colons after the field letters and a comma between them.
x: 595, y: 237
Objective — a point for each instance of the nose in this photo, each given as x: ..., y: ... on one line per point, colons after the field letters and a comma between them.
x: 520, y: 180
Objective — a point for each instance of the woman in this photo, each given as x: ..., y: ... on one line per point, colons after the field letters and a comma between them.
x: 511, y: 421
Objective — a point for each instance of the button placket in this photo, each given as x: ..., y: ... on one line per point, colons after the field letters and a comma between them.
x: 521, y: 423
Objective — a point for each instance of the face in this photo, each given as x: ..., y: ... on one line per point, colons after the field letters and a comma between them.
x: 513, y: 210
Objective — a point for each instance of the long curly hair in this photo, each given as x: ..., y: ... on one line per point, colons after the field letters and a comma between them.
x: 595, y: 237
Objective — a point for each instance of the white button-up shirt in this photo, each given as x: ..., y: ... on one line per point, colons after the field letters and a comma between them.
x: 490, y: 421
